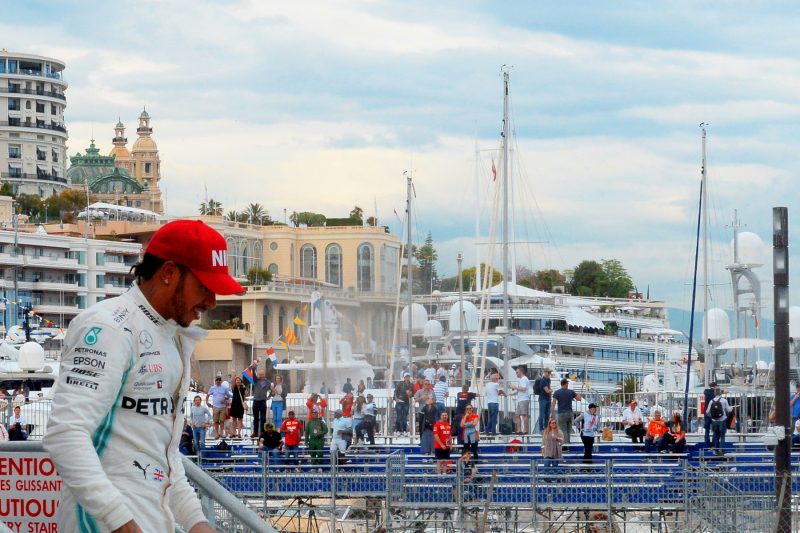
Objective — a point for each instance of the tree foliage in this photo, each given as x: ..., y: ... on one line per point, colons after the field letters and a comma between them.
x: 357, y: 214
x: 543, y: 280
x: 211, y: 208
x: 257, y: 276
x: 468, y: 276
x: 426, y: 257
x: 605, y: 278
x: 307, y: 218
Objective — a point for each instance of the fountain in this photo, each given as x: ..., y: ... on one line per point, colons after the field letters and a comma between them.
x: 334, y: 360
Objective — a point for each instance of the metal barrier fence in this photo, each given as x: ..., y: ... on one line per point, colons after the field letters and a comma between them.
x: 501, y: 493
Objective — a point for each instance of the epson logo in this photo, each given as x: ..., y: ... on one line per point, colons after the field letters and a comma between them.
x: 219, y: 258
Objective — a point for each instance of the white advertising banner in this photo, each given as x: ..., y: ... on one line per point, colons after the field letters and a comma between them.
x: 29, y: 492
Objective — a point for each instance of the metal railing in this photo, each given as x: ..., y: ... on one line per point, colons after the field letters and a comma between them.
x: 222, y: 510
x: 37, y: 92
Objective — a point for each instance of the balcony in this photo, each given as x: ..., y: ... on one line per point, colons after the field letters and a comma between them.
x: 43, y: 176
x: 37, y: 92
x: 117, y: 267
x: 38, y: 125
x: 37, y: 72
x: 50, y: 261
x: 12, y: 259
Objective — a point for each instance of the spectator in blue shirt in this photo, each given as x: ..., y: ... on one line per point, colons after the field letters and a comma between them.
x: 794, y: 401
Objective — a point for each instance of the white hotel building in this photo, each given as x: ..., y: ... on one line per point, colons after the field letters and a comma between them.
x: 58, y: 276
x: 32, y: 132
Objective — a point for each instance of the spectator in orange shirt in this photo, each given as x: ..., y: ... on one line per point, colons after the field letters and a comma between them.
x: 656, y: 429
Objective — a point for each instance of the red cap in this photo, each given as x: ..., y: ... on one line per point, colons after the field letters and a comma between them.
x: 198, y: 247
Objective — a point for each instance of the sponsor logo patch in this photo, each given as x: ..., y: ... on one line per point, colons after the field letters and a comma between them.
x: 81, y: 382
x: 89, y: 361
x: 146, y: 340
x: 153, y: 368
x: 85, y: 372
x: 219, y: 258
x: 92, y: 351
x: 158, y: 475
x: 153, y: 318
x: 148, y: 354
x: 119, y: 314
x: 91, y: 336
x: 149, y: 406
x: 148, y: 385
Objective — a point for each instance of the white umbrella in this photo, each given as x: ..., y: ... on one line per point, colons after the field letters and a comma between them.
x: 745, y: 344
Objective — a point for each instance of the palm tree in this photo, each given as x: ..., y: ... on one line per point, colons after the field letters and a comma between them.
x: 211, y: 208
x: 233, y: 216
x: 256, y: 213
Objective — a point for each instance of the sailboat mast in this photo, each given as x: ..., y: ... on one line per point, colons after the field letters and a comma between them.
x: 409, y: 269
x: 505, y: 185
x: 710, y: 361
x: 478, y: 275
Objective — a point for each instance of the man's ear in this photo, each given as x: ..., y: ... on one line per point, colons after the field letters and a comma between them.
x: 169, y: 273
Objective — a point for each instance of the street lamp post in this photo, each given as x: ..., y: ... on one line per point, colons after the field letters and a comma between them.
x: 780, y: 270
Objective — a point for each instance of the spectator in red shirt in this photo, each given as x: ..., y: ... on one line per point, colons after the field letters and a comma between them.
x: 316, y: 401
x: 442, y: 442
x: 291, y: 428
x: 347, y: 405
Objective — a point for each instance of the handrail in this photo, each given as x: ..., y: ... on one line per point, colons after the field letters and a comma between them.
x: 205, y: 483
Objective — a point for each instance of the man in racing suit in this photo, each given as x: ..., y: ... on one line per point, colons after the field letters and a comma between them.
x: 118, y: 406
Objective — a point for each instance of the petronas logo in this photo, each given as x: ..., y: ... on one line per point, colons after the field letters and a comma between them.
x: 91, y: 336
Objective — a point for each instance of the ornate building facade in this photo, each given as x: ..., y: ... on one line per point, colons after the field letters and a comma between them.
x: 129, y: 178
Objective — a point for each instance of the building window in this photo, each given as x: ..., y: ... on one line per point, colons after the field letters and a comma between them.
x: 265, y: 323
x: 101, y: 259
x: 281, y: 320
x: 273, y: 246
x: 308, y: 262
x: 366, y: 268
x: 53, y: 109
x: 333, y: 264
x: 39, y: 107
x: 101, y: 281
x: 273, y: 269
x: 245, y: 261
x: 41, y: 155
x: 388, y: 268
x: 147, y: 167
x: 13, y: 104
x: 14, y: 152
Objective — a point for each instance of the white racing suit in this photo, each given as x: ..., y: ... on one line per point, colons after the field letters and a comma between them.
x: 117, y: 419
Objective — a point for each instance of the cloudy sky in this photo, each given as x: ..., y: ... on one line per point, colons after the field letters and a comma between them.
x: 321, y: 106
